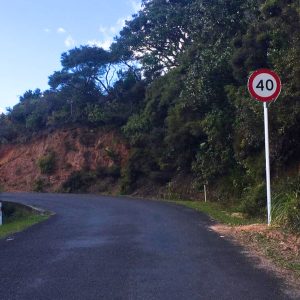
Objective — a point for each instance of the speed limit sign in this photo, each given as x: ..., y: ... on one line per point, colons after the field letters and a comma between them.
x: 264, y: 85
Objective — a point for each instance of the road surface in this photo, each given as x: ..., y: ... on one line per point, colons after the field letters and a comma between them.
x: 98, y: 247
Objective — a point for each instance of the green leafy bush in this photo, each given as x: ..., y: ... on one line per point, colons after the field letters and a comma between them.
x: 47, y: 163
x: 113, y: 171
x: 79, y: 181
x: 286, y: 205
x: 254, y: 203
x: 39, y: 185
x: 139, y: 165
x: 286, y: 211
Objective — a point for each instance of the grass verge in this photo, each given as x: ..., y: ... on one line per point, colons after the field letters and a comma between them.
x: 20, y: 223
x: 229, y: 216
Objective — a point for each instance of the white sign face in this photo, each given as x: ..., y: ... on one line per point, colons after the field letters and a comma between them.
x: 264, y: 85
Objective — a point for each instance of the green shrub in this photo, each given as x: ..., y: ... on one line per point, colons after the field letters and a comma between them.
x: 160, y: 177
x: 13, y: 211
x: 286, y: 205
x: 79, y: 181
x: 104, y: 185
x: 254, y: 203
x: 47, y: 163
x: 113, y: 155
x: 128, y: 180
x: 39, y: 185
x: 286, y: 212
x: 113, y: 171
x: 139, y: 166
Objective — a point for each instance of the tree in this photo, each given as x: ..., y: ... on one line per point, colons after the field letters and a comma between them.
x: 157, y: 35
x: 85, y: 67
x: 271, y: 41
x: 29, y: 95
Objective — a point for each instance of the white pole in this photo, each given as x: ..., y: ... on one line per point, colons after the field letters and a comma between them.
x: 0, y: 213
x: 267, y: 151
x: 205, y: 193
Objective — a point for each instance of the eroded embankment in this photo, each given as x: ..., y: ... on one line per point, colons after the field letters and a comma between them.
x: 71, y: 150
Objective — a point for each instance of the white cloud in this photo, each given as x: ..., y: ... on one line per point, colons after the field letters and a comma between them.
x: 121, y: 22
x: 113, y: 30
x: 2, y: 111
x: 47, y: 30
x: 136, y: 5
x: 103, y: 30
x: 69, y: 41
x: 107, y: 31
x: 108, y: 34
x: 101, y: 44
x: 61, y: 30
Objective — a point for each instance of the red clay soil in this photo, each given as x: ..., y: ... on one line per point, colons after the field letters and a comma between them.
x: 75, y: 149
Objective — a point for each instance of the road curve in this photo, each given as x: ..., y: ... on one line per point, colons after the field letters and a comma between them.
x: 98, y: 247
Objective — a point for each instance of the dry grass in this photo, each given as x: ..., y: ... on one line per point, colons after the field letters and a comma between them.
x: 277, y: 251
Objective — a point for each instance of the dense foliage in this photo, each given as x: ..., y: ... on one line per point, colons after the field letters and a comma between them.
x: 174, y: 82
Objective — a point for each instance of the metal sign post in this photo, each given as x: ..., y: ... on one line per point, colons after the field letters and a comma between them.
x: 264, y: 85
x: 1, y: 213
x: 267, y: 152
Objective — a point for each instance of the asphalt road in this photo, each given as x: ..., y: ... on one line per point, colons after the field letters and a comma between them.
x: 118, y: 248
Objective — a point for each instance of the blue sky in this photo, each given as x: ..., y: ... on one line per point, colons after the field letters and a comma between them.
x: 34, y: 34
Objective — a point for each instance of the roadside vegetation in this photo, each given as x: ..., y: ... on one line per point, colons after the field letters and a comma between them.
x: 173, y: 84
x: 17, y: 218
x: 279, y: 246
x: 47, y: 163
x: 276, y: 247
x: 220, y: 213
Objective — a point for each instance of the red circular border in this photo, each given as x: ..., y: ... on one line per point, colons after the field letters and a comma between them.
x: 260, y: 98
